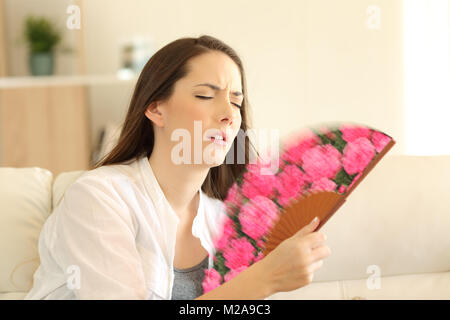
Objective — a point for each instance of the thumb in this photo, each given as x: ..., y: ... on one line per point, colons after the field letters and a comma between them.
x: 310, y: 227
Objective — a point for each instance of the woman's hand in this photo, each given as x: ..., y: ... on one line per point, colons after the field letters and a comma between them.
x: 292, y: 263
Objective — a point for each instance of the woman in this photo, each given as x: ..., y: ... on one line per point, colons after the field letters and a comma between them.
x: 141, y: 224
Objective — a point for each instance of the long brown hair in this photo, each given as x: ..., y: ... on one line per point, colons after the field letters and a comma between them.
x: 156, y: 83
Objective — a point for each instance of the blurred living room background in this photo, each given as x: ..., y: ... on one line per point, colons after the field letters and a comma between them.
x: 384, y: 63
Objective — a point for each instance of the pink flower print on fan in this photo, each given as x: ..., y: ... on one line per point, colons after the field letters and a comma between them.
x: 354, y: 180
x: 289, y: 183
x: 357, y: 154
x: 261, y: 244
x: 325, y: 159
x: 321, y: 161
x: 293, y: 152
x: 380, y: 140
x: 238, y: 254
x: 256, y: 184
x: 211, y: 280
x: 342, y: 189
x: 233, y: 199
x: 260, y: 209
x: 228, y: 232
x: 329, y: 134
x: 323, y: 184
x: 351, y: 133
x: 269, y: 166
x: 233, y: 273
x: 260, y: 254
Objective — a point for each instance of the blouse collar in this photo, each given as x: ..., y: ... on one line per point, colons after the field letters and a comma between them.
x: 165, y: 212
x: 158, y: 197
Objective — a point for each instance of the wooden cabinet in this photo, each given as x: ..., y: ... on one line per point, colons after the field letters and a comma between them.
x: 42, y: 124
x: 3, y: 72
x: 45, y: 126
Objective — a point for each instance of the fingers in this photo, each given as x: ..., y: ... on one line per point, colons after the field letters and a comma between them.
x: 315, y: 239
x: 308, y: 228
x: 316, y: 265
x: 318, y: 256
x: 320, y: 253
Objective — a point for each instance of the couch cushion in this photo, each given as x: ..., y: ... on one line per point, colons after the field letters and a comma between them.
x: 25, y: 204
x: 402, y: 287
x: 13, y: 296
x: 397, y: 220
x: 327, y: 290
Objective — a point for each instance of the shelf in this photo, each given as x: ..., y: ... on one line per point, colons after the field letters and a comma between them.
x: 43, y: 81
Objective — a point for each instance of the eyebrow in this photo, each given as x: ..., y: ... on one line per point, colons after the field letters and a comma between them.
x: 214, y: 87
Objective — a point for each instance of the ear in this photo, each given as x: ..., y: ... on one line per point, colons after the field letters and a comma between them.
x: 153, y: 112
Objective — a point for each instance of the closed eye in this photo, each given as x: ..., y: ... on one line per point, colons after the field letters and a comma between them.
x: 207, y: 98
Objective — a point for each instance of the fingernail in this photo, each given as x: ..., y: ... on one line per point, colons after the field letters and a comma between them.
x: 314, y: 220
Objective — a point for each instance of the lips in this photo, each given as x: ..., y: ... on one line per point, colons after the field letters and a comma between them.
x: 219, y: 133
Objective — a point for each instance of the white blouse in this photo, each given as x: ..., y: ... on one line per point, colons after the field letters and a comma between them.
x: 113, y: 236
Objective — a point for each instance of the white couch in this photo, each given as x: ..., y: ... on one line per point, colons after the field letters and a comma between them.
x: 390, y: 240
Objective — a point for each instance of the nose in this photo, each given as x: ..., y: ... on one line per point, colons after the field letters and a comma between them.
x: 227, y: 121
x: 227, y: 112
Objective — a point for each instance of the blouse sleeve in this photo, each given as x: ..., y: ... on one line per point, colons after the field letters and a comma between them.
x: 95, y: 241
x: 219, y: 210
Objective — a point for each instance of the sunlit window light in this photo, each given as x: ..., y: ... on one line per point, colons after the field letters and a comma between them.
x: 426, y: 71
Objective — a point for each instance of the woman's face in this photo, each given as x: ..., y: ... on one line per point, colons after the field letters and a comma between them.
x: 206, y: 101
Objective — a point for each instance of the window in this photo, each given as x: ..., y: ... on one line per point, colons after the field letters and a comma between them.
x: 426, y: 74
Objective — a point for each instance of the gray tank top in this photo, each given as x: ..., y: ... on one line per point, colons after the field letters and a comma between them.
x: 187, y: 283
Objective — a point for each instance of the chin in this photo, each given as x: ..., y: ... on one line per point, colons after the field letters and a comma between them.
x: 216, y: 157
x: 215, y: 163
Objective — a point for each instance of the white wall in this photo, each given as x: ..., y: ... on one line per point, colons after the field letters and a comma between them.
x: 307, y: 61
x: 354, y: 64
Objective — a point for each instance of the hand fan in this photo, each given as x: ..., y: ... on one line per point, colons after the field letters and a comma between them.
x: 318, y: 168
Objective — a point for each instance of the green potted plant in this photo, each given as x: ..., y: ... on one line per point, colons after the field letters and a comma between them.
x: 42, y: 37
